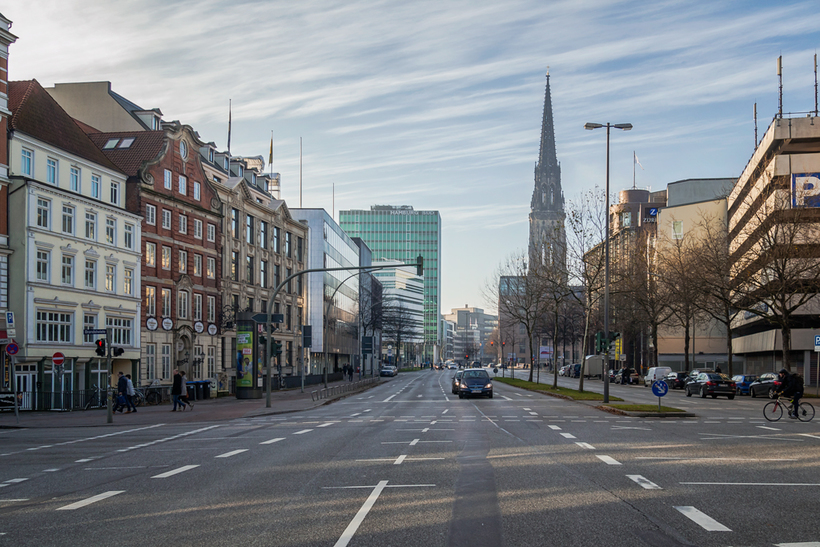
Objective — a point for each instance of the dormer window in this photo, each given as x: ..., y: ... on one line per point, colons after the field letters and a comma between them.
x: 211, y: 155
x: 241, y: 171
x: 225, y: 163
x: 253, y: 179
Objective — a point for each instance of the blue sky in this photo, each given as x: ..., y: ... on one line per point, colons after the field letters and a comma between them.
x: 438, y: 104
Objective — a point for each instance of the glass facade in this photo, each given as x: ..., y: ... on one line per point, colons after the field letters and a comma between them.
x: 402, y: 233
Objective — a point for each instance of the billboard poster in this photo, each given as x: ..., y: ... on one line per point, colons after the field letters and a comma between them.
x: 244, y: 355
x: 805, y: 189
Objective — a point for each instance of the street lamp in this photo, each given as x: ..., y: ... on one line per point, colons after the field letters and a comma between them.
x: 590, y: 127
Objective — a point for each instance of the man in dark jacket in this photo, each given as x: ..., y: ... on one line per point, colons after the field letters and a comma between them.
x: 122, y: 393
x: 791, y: 386
x: 176, y: 391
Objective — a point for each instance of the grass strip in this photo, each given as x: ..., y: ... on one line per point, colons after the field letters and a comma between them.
x: 645, y: 408
x: 573, y: 394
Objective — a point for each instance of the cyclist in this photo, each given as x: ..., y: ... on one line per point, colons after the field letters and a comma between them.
x: 791, y: 385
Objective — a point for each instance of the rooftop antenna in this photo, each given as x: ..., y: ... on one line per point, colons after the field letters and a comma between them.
x: 270, y: 158
x: 755, y: 115
x: 229, y: 128
x: 300, y: 172
x: 635, y: 161
x: 815, y: 85
x: 780, y: 78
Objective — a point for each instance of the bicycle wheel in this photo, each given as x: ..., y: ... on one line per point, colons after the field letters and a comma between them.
x: 805, y: 412
x: 153, y: 398
x: 773, y: 411
x: 137, y: 398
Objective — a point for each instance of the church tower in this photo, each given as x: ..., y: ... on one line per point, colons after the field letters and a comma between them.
x: 548, y: 240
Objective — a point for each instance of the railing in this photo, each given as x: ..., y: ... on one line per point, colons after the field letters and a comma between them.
x: 341, y: 389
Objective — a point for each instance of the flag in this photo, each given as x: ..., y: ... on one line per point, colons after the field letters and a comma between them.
x: 637, y: 161
x: 229, y: 126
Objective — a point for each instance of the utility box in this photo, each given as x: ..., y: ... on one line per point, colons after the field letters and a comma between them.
x: 594, y: 366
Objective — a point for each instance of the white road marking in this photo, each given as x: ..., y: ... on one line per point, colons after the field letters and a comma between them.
x: 554, y: 427
x: 586, y: 445
x: 754, y: 483
x: 399, y: 459
x: 568, y: 436
x: 276, y: 440
x: 12, y: 500
x: 326, y: 424
x: 769, y: 428
x: 419, y: 395
x: 526, y: 409
x: 173, y: 472
x: 445, y: 411
x: 702, y: 519
x: 807, y: 435
x: 89, y: 501
x: 232, y: 453
x: 387, y: 401
x: 506, y: 398
x: 84, y: 460
x: 50, y: 470
x: 303, y: 432
x: 16, y: 480
x: 534, y: 413
x: 425, y: 430
x: 803, y: 544
x: 143, y: 445
x: 414, y: 442
x: 608, y: 460
x: 644, y: 482
x: 352, y: 415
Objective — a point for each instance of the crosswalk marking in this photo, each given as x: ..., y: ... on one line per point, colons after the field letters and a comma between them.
x: 173, y: 472
x: 89, y: 501
x: 702, y: 519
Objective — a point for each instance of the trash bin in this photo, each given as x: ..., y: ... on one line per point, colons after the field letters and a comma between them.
x: 194, y: 391
x: 206, y: 389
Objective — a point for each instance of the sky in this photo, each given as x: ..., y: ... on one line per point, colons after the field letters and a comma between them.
x: 438, y: 104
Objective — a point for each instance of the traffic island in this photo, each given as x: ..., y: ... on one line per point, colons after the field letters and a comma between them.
x: 646, y: 411
x: 560, y: 392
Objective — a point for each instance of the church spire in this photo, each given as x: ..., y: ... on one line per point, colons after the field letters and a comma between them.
x: 547, y: 156
x: 547, y: 194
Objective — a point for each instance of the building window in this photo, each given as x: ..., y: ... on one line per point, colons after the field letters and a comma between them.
x: 129, y: 236
x: 52, y: 326
x: 183, y: 150
x: 234, y: 223
x: 211, y: 362
x: 197, y: 191
x: 151, y: 215
x: 75, y: 179
x: 183, y: 262
x: 677, y: 229
x: 166, y: 302
x: 90, y: 274
x: 91, y: 226
x: 67, y: 271
x: 43, y: 213
x: 150, y: 254
x: 197, y: 265
x: 89, y: 322
x: 115, y: 192
x: 197, y: 307
x: 299, y: 285
x: 276, y: 277
x: 211, y: 309
x: 51, y: 171
x: 263, y: 234
x: 151, y: 361
x: 199, y: 358
x: 183, y: 185
x: 68, y: 219
x: 120, y: 330
x: 288, y: 273
x: 288, y: 315
x: 110, y: 277
x: 263, y: 274
x: 168, y: 179
x: 166, y: 258
x: 166, y: 219
x: 197, y: 229
x: 150, y: 301
x: 96, y: 186
x: 210, y: 270
x: 234, y: 266
x: 27, y: 163
x: 43, y: 260
x: 276, y: 239
x: 249, y: 270
x: 182, y: 305
x: 128, y: 282
x: 183, y: 224
x: 211, y: 232
x: 249, y: 229
x: 110, y: 231
x: 166, y: 361
x: 299, y: 244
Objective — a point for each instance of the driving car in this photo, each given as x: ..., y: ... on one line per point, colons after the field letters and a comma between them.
x: 388, y: 370
x: 743, y: 381
x: 563, y: 371
x: 676, y: 380
x: 766, y: 385
x: 456, y: 381
x: 711, y: 383
x: 474, y: 381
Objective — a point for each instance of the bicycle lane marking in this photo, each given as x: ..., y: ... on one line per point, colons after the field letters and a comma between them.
x: 85, y: 439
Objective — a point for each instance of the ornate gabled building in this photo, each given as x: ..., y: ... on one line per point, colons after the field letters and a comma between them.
x: 547, y: 237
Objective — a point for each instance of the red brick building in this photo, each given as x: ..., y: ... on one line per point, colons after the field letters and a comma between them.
x: 6, y: 39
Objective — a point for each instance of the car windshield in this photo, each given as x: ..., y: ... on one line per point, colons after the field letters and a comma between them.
x: 476, y: 374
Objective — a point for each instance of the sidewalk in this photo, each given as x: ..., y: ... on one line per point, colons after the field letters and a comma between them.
x: 206, y: 410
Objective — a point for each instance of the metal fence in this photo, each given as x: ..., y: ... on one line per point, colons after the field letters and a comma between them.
x: 80, y: 399
x: 334, y: 391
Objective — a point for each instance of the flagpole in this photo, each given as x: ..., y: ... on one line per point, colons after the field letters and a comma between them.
x: 229, y: 132
x: 300, y: 172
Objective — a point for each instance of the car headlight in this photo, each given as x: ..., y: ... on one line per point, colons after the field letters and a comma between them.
x: 489, y: 385
x: 463, y: 385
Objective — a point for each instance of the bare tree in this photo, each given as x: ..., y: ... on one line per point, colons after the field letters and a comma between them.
x: 399, y: 325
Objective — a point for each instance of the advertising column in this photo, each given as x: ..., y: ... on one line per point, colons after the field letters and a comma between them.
x: 246, y: 362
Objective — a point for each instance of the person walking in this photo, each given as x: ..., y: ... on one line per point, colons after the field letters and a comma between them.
x: 129, y: 394
x: 176, y: 391
x: 350, y: 373
x: 122, y: 392
x: 183, y: 396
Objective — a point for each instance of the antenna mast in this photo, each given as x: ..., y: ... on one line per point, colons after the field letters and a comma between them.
x: 815, y: 85
x: 755, y: 113
x: 780, y: 78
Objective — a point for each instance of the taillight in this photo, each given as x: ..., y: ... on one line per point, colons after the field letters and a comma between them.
x: 733, y: 384
x: 710, y: 383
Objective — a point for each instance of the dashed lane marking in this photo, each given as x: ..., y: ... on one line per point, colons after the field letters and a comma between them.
x: 554, y: 427
x: 276, y: 440
x: 644, y: 482
x: 702, y: 519
x: 568, y: 436
x: 173, y: 472
x: 586, y: 445
x: 326, y: 424
x: 232, y: 453
x: 89, y: 501
x: 303, y: 432
x: 608, y: 460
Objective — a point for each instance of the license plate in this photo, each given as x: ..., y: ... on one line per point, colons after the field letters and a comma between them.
x: 723, y: 385
x: 476, y: 391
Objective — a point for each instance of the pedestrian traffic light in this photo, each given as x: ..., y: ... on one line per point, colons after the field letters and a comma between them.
x: 117, y: 351
x: 420, y: 265
x: 100, y: 347
x: 276, y: 348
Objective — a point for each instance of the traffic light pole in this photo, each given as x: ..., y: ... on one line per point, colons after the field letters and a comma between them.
x: 109, y: 405
x: 420, y: 271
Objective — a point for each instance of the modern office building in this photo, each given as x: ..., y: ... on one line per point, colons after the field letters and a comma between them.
x: 402, y: 233
x: 402, y: 311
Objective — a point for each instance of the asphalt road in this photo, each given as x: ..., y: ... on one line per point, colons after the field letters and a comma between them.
x: 409, y: 464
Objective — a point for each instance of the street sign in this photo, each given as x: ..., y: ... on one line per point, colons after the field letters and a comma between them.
x: 623, y: 358
x: 9, y: 319
x: 274, y: 318
x: 12, y: 349
x: 660, y: 388
x: 816, y: 343
x: 367, y: 345
x: 11, y: 333
x: 94, y: 331
x: 58, y: 358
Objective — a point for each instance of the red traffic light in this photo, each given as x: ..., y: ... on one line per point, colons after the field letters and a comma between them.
x: 100, y: 347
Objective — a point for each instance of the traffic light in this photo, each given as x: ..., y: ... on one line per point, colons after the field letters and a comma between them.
x: 100, y: 347
x: 614, y: 341
x: 492, y: 344
x: 420, y: 265
x: 117, y: 351
x: 276, y: 347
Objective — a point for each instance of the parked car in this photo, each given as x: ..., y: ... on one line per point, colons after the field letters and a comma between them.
x: 632, y: 378
x: 456, y: 381
x: 711, y: 383
x: 766, y: 385
x: 475, y: 381
x: 676, y: 380
x: 743, y: 381
x: 563, y: 371
x: 654, y: 374
x: 574, y: 370
x: 693, y: 374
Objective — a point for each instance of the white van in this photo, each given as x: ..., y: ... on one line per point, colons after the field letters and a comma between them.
x: 594, y: 366
x: 654, y: 374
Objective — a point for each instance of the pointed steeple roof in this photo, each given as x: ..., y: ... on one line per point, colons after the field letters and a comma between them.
x: 547, y: 156
x: 547, y: 195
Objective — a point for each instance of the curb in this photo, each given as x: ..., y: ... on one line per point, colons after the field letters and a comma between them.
x: 634, y: 414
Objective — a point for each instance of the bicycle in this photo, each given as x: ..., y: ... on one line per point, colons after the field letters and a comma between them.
x: 774, y: 411
x: 150, y: 394
x: 95, y: 400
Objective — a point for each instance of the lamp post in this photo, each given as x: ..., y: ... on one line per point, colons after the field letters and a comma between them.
x: 590, y: 127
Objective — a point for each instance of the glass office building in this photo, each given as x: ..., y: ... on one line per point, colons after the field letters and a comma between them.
x: 402, y: 233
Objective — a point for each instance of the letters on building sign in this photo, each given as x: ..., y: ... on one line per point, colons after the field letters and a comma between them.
x: 805, y: 189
